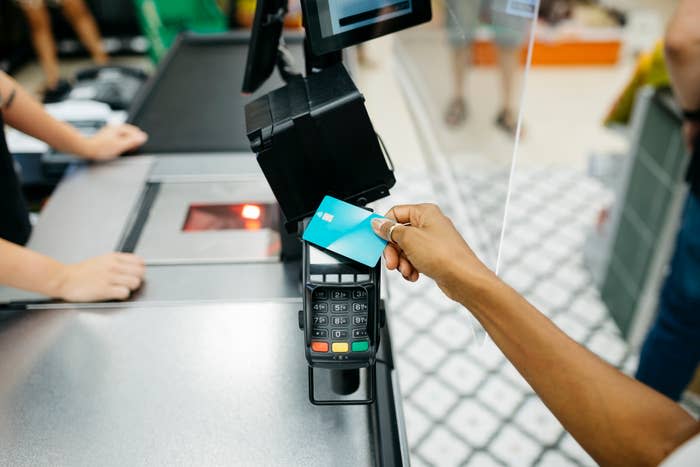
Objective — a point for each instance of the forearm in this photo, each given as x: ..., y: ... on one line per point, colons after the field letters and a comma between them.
x: 27, y: 115
x: 618, y: 420
x: 24, y: 269
x: 683, y: 53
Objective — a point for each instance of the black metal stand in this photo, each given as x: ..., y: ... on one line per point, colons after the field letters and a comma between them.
x: 316, y: 63
x: 342, y: 381
x: 345, y: 382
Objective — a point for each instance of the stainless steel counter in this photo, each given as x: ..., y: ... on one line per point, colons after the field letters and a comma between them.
x: 91, y: 210
x: 202, y: 366
x: 169, y: 385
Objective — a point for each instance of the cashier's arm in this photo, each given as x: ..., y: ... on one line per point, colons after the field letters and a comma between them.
x: 24, y: 113
x: 618, y: 420
x: 109, y: 277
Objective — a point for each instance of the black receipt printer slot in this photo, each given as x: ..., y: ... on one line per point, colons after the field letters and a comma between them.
x: 313, y: 137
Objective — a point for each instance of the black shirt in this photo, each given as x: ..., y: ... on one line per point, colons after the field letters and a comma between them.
x: 694, y: 169
x: 14, y: 216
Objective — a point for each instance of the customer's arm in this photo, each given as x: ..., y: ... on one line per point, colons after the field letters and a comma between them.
x: 110, y: 277
x: 683, y: 60
x: 24, y: 113
x: 618, y: 420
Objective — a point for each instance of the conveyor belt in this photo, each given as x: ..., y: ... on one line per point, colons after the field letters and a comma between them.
x: 193, y: 102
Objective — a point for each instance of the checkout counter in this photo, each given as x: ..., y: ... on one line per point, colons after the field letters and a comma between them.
x: 205, y: 364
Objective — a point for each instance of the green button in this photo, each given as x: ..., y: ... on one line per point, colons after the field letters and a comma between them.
x: 360, y: 346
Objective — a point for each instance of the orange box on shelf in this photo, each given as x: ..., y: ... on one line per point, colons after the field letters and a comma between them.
x: 560, y: 53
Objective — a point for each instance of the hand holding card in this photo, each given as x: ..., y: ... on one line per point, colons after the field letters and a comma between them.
x: 347, y: 230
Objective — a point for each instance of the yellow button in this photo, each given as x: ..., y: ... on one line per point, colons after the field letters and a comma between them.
x: 340, y: 346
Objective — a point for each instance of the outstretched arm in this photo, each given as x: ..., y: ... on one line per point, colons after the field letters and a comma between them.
x: 618, y: 420
x: 23, y: 112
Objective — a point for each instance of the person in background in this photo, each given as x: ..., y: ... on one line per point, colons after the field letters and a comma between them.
x: 671, y: 350
x: 79, y: 16
x: 113, y: 276
x: 510, y: 33
x: 616, y: 419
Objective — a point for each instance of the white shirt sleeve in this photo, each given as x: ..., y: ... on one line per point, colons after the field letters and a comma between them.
x: 688, y: 455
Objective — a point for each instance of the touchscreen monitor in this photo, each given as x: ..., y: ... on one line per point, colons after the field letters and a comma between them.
x: 332, y: 25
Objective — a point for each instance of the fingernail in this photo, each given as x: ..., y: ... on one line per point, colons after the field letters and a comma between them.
x: 377, y: 225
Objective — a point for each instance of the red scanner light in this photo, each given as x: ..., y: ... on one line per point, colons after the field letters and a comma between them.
x: 251, y: 212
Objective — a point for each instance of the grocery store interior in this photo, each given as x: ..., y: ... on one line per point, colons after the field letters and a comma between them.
x: 165, y: 307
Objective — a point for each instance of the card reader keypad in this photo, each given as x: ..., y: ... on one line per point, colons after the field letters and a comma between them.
x: 340, y: 320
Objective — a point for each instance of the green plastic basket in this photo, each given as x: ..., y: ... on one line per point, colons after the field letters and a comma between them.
x: 162, y: 20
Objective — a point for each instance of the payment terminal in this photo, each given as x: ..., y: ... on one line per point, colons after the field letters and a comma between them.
x: 314, y: 138
x: 341, y: 320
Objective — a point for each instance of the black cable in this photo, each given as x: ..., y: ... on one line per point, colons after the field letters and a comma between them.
x: 386, y: 152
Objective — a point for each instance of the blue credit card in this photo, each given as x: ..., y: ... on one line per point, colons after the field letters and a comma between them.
x: 345, y: 229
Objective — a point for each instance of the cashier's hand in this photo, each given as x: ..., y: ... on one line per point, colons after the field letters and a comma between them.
x: 112, y: 141
x: 110, y: 277
x: 432, y: 246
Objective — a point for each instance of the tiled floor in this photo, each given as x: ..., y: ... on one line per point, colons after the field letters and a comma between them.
x: 465, y: 404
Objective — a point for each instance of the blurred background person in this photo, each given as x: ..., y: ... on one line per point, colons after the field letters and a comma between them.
x: 671, y: 350
x: 79, y: 16
x: 509, y: 31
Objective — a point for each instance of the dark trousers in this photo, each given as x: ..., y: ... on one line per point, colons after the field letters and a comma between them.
x: 671, y: 351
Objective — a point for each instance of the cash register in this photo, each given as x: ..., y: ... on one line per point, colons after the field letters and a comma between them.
x: 313, y: 137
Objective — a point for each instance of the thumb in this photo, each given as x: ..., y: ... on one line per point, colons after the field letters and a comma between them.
x: 133, y: 141
x: 382, y: 227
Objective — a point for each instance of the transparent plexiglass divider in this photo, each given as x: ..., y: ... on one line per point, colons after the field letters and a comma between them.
x: 464, y: 76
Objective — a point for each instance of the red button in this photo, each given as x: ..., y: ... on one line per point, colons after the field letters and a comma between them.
x: 318, y: 346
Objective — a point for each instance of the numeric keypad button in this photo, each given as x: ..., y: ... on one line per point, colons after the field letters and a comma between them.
x: 358, y: 294
x: 340, y: 295
x: 339, y: 307
x: 321, y: 294
x: 339, y: 320
x: 320, y: 307
x: 320, y: 320
x: 359, y: 307
x: 338, y: 334
x: 359, y: 320
x: 318, y: 333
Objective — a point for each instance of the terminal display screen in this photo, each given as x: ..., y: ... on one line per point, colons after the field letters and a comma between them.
x: 318, y: 257
x: 338, y: 16
x: 335, y: 24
